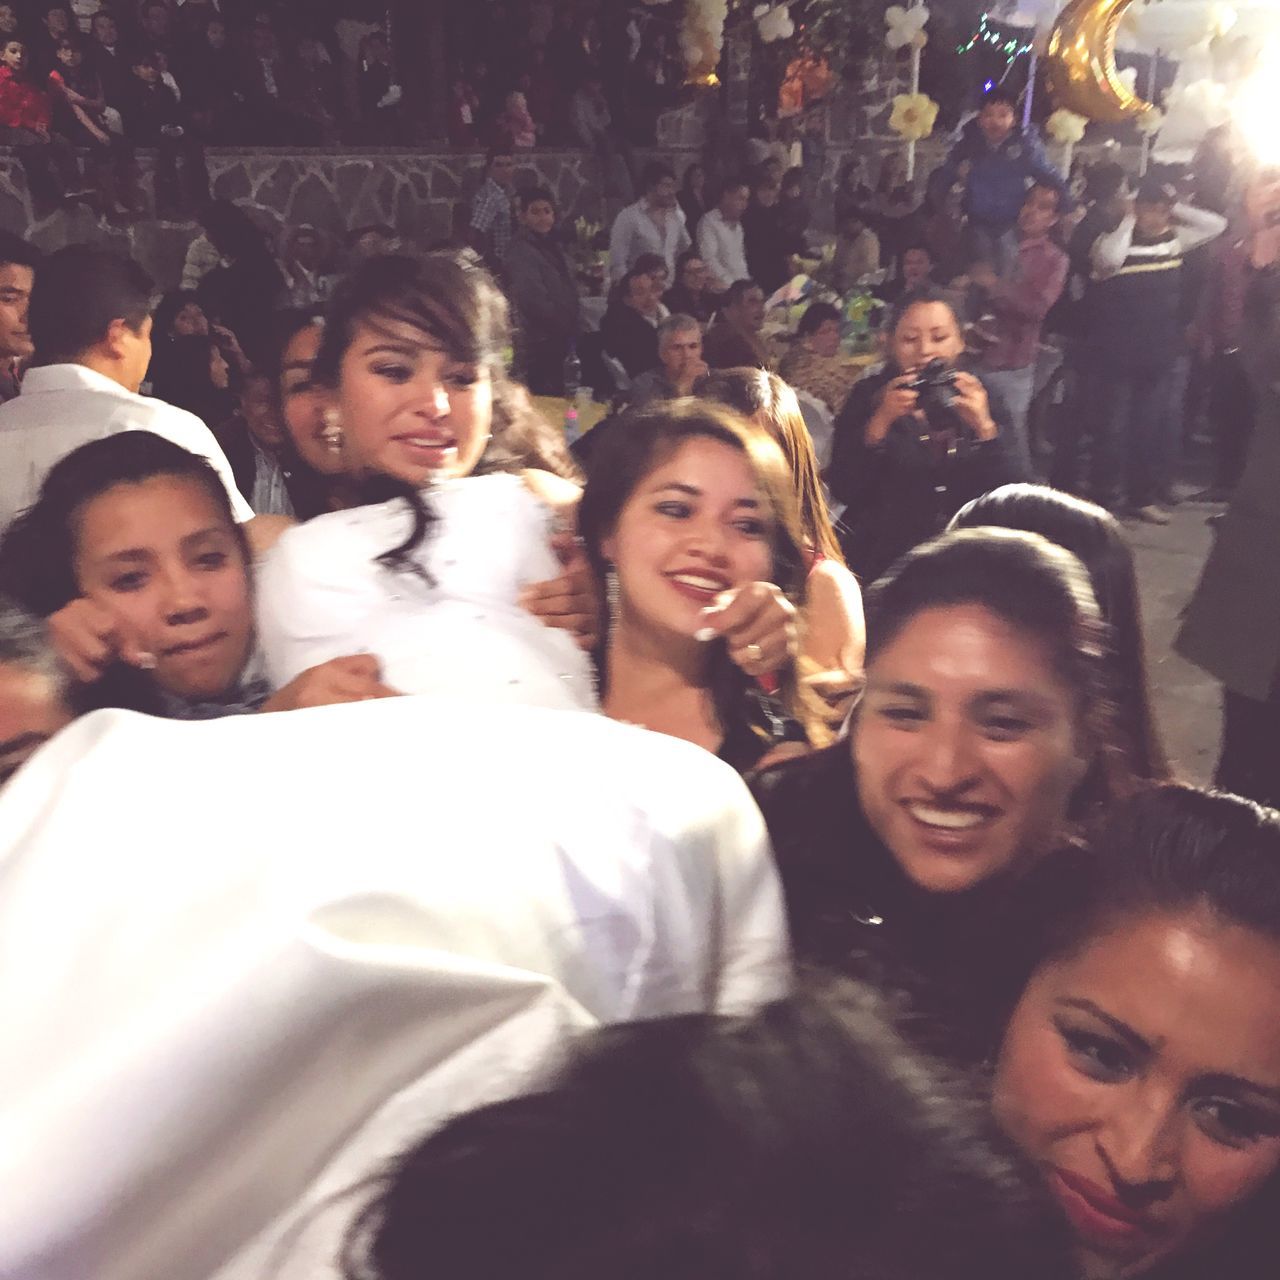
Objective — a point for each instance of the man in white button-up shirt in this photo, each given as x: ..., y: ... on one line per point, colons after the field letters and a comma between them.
x: 654, y: 224
x: 720, y: 237
x: 90, y: 321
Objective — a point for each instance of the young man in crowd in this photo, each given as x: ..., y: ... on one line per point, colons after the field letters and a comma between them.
x: 734, y: 340
x: 721, y: 239
x: 654, y: 224
x: 18, y: 261
x: 491, y: 225
x: 1021, y: 297
x: 90, y: 323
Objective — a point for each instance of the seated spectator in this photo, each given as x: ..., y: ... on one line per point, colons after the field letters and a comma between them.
x: 18, y: 263
x: 109, y: 60
x: 307, y: 260
x: 369, y: 242
x: 192, y: 373
x: 914, y: 271
x: 548, y: 103
x: 90, y: 319
x: 266, y: 114
x: 543, y: 294
x: 769, y: 244
x: 378, y: 91
x: 26, y: 118
x: 629, y: 327
x: 515, y: 125
x: 254, y: 443
x: 153, y: 117
x: 311, y: 89
x: 691, y: 294
x: 693, y: 196
x: 210, y: 78
x: 806, y: 1140
x: 654, y: 265
x: 794, y: 213
x: 79, y: 114
x: 906, y: 460
x: 35, y: 688
x: 813, y: 364
x: 680, y: 363
x: 155, y: 28
x: 592, y: 125
x: 721, y: 238
x: 463, y: 112
x: 490, y: 225
x: 857, y: 254
x: 54, y: 24
x: 653, y: 224
x: 735, y: 341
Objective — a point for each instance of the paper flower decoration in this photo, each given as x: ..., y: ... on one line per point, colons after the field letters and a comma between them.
x: 914, y: 115
x: 773, y: 22
x: 702, y: 37
x: 1151, y: 122
x: 1066, y: 127
x: 905, y: 25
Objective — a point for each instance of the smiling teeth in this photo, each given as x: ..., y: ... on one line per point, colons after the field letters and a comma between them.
x: 949, y: 819
x: 701, y: 584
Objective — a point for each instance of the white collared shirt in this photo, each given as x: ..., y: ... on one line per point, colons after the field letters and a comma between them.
x: 723, y: 248
x: 636, y: 231
x: 63, y: 406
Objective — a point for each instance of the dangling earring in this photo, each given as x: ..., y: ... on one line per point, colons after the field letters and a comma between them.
x: 612, y: 597
x: 333, y: 435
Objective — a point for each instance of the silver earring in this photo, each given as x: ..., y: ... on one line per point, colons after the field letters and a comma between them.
x: 333, y: 436
x: 612, y: 596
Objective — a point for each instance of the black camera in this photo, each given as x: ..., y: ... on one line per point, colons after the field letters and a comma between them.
x: 935, y: 385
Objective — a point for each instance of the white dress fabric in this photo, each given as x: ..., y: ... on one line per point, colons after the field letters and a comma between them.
x: 454, y: 629
x: 244, y: 961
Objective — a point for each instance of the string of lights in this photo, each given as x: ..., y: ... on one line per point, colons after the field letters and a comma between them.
x: 987, y: 34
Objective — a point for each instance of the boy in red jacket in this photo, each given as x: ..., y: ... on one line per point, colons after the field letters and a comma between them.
x: 25, y: 117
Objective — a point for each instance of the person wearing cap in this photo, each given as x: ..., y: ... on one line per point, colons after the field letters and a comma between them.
x: 1136, y: 335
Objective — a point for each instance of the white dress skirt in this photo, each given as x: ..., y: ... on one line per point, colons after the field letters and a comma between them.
x: 243, y: 962
x: 452, y: 628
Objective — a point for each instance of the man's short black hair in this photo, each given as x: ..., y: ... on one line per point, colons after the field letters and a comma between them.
x: 16, y: 251
x: 655, y: 172
x: 738, y: 290
x: 1001, y: 94
x: 78, y: 292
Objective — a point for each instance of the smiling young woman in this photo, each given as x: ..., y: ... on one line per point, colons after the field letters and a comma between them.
x: 921, y: 851
x: 1141, y: 1068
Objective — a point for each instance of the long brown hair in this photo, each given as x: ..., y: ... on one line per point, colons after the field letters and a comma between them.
x: 765, y: 399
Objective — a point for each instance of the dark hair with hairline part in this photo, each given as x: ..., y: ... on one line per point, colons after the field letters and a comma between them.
x: 79, y: 291
x: 1095, y: 537
x: 738, y: 290
x: 804, y: 1141
x: 925, y: 295
x: 532, y: 195
x: 654, y: 172
x: 15, y: 251
x: 818, y: 314
x: 1043, y: 592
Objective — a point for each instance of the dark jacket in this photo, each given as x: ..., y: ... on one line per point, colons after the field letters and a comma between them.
x: 540, y: 285
x: 960, y: 959
x: 904, y: 491
x: 147, y: 111
x: 680, y: 302
x: 630, y: 339
x: 768, y: 244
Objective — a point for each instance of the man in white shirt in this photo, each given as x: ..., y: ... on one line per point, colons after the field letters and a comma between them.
x: 90, y: 322
x: 720, y: 237
x: 654, y: 224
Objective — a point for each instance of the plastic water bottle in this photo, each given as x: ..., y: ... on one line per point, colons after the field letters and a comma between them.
x: 573, y: 394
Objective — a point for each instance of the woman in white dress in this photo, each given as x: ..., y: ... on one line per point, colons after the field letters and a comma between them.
x: 434, y: 580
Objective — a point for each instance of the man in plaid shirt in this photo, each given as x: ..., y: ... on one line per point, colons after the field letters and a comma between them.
x: 491, y: 210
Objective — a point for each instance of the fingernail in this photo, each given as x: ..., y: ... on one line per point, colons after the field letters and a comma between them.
x: 147, y: 661
x: 704, y: 634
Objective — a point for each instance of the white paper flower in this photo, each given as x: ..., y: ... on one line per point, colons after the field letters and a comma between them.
x: 773, y: 22
x: 1066, y: 127
x: 904, y: 24
x: 1151, y: 122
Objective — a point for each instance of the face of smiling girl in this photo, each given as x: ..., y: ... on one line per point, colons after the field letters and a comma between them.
x: 695, y: 526
x: 409, y: 409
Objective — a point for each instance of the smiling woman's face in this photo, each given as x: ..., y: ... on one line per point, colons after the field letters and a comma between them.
x: 1141, y: 1073
x: 409, y: 410
x: 966, y: 747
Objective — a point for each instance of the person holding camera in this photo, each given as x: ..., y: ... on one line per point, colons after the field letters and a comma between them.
x: 918, y: 440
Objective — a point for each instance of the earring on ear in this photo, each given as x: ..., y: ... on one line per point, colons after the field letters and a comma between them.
x: 612, y: 596
x: 333, y: 436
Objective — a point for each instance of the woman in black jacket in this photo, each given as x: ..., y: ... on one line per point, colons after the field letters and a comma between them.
x: 541, y: 288
x: 916, y: 441
x: 926, y: 851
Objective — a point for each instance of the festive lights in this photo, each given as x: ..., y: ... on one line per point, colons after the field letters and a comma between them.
x: 987, y: 34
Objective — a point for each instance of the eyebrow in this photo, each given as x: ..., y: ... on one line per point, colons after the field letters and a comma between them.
x: 693, y: 491
x: 144, y: 553
x: 1122, y: 1029
x: 32, y: 739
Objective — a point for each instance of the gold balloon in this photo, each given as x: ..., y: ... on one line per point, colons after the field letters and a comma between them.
x: 1081, y: 63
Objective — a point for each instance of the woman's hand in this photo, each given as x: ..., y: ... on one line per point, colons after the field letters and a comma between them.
x: 569, y: 602
x: 357, y: 678
x: 758, y: 624
x: 89, y: 639
x: 230, y: 345
x: 896, y: 401
x: 974, y: 408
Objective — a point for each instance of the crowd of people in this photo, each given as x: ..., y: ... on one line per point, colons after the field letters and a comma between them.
x: 1039, y: 1034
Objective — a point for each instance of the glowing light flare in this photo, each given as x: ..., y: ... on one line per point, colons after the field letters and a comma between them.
x: 1257, y: 104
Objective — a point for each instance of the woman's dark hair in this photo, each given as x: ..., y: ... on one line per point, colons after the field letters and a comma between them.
x: 180, y: 375
x: 643, y: 440
x: 1036, y: 587
x: 805, y: 1141
x: 1094, y: 536
x: 818, y: 314
x: 232, y: 231
x: 647, y: 263
x: 1175, y: 849
x: 527, y: 196
x: 38, y: 550
x: 460, y: 308
x: 686, y: 179
x: 791, y: 177
x: 758, y: 394
x: 923, y: 296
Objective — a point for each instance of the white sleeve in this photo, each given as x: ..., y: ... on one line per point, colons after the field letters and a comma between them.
x: 1197, y: 227
x: 309, y: 610
x: 709, y: 247
x: 620, y: 245
x: 1110, y: 250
